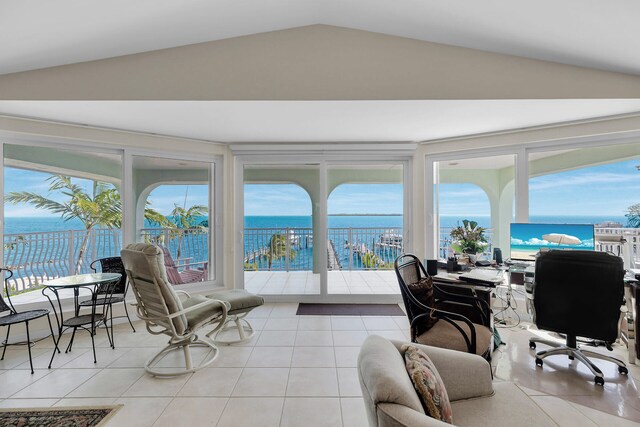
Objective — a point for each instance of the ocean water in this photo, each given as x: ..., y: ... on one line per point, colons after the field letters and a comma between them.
x: 14, y: 225
x: 384, y: 238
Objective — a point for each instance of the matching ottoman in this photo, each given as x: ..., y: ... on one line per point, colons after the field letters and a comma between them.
x: 242, y: 302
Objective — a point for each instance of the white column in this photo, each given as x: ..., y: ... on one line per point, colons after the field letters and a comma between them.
x: 320, y: 242
x: 238, y: 254
x: 522, y: 186
x: 127, y: 196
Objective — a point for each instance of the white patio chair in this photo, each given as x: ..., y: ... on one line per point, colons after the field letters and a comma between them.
x: 164, y: 312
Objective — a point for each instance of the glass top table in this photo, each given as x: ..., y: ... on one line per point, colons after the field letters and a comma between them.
x: 82, y: 280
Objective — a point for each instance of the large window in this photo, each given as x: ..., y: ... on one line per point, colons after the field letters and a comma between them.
x: 479, y: 189
x: 279, y: 218
x: 585, y: 185
x: 62, y: 210
x: 172, y: 209
x: 594, y: 185
x: 365, y: 228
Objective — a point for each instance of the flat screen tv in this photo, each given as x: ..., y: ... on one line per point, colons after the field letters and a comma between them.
x: 529, y: 239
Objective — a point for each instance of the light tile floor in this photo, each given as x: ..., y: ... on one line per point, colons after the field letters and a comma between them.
x: 297, y: 370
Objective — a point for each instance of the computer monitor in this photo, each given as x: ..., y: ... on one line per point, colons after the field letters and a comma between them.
x: 529, y: 239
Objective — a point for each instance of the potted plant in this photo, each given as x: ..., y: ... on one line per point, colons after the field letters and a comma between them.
x: 468, y: 238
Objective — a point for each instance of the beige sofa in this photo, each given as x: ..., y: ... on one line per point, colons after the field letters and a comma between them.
x: 476, y: 400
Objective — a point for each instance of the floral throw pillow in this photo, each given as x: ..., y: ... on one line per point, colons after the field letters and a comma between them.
x: 428, y: 384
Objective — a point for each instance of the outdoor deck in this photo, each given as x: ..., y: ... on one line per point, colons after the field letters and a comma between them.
x: 307, y: 283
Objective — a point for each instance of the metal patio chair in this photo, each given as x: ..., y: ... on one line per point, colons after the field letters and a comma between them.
x: 15, y: 317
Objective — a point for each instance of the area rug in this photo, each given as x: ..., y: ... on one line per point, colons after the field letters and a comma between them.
x: 82, y: 416
x: 307, y: 309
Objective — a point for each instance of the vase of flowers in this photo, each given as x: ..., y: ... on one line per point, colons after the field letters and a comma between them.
x: 469, y: 238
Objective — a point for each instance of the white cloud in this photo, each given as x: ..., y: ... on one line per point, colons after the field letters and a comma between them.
x: 582, y: 180
x: 23, y: 211
x: 534, y: 241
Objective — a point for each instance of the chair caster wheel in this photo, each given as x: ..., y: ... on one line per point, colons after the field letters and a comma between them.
x: 532, y: 345
x: 599, y: 380
x: 623, y: 370
x: 538, y: 362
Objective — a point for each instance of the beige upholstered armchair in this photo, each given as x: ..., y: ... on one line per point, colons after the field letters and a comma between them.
x: 391, y: 399
x: 164, y: 312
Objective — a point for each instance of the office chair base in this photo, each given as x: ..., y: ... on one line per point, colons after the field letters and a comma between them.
x: 186, y: 346
x: 577, y: 354
x: 244, y: 328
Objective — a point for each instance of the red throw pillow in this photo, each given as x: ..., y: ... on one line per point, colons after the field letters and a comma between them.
x: 428, y: 384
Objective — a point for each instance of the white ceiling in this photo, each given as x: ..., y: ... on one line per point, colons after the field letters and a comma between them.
x: 43, y: 33
x: 318, y: 121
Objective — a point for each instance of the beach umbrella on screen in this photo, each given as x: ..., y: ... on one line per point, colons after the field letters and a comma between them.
x: 562, y: 239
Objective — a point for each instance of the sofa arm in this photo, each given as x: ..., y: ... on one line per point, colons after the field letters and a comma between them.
x: 394, y: 415
x: 465, y: 375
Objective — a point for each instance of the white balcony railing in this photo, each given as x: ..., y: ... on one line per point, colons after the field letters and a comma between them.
x: 291, y: 249
x: 37, y: 257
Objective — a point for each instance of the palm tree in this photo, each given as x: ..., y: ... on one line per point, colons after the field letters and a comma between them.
x: 633, y: 213
x: 633, y: 216
x: 102, y: 208
x: 278, y: 249
x: 183, y: 220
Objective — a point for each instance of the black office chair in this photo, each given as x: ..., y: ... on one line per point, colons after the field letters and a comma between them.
x: 432, y: 325
x: 111, y: 265
x: 579, y: 294
x: 15, y: 317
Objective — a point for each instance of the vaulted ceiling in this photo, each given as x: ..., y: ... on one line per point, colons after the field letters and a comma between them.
x: 596, y: 34
x: 318, y: 70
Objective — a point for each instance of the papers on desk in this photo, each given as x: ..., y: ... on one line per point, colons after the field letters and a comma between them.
x: 446, y: 278
x: 487, y: 277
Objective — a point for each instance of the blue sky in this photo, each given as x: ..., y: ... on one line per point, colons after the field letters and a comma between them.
x: 463, y: 200
x: 290, y: 199
x: 162, y: 198
x: 598, y: 190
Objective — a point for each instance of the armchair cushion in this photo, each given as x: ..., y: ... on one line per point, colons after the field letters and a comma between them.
x: 510, y: 406
x: 238, y: 299
x: 443, y: 334
x: 148, y: 262
x: 428, y: 384
x: 196, y: 317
